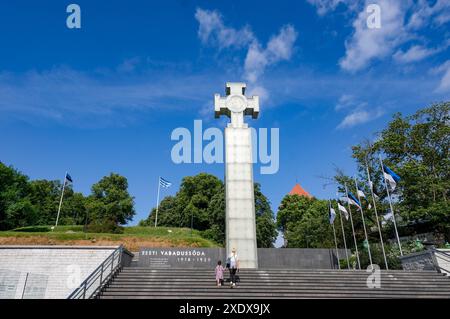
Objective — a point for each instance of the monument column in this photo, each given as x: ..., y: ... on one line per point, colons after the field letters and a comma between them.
x: 239, y: 190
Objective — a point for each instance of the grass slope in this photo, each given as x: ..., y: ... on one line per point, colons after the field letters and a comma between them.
x: 133, y: 238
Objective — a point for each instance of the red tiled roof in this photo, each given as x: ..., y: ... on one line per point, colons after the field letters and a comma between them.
x: 298, y: 190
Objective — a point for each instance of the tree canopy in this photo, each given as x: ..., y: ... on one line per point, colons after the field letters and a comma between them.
x: 304, y: 222
x: 200, y: 202
x: 27, y: 203
x: 416, y: 147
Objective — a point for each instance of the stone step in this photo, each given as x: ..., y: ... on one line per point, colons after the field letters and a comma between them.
x: 237, y: 293
x: 279, y: 277
x: 281, y: 282
x: 341, y: 272
x: 188, y: 283
x: 275, y: 285
x: 187, y: 289
x: 304, y: 271
x: 268, y: 297
x: 334, y: 275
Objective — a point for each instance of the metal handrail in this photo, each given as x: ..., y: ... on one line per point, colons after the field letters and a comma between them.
x: 441, y: 252
x: 433, y: 252
x: 99, y: 272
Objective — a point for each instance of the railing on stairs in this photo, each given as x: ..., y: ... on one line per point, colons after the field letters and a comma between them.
x: 442, y: 255
x: 93, y: 284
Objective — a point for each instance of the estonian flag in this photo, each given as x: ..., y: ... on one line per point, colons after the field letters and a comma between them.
x: 390, y: 176
x: 332, y: 215
x: 353, y: 201
x: 361, y: 193
x: 68, y: 178
x: 343, y: 210
x: 164, y: 183
x: 373, y: 190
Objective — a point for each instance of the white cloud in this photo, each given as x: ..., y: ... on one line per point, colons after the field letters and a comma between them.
x: 89, y: 99
x: 354, y: 118
x: 348, y: 101
x: 414, y: 54
x: 358, y: 118
x: 279, y: 48
x: 444, y: 84
x: 213, y: 31
x: 345, y: 101
x: 425, y: 14
x: 367, y: 44
x: 325, y: 6
x: 359, y: 111
x: 401, y: 22
x: 259, y: 91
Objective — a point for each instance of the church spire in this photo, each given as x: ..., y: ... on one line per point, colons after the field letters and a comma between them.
x: 298, y: 190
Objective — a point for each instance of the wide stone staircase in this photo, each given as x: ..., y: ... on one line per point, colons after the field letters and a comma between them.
x: 135, y: 282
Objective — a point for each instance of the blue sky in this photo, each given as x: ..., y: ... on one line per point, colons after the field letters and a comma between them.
x: 106, y: 97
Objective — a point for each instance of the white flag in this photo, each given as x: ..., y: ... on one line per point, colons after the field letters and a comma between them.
x: 342, y: 209
x: 332, y: 215
x: 373, y: 192
x: 389, y: 216
x: 361, y: 194
x: 390, y: 179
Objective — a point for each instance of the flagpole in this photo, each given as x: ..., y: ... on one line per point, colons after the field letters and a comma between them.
x: 345, y: 242
x: 60, y: 201
x: 353, y: 228
x: 157, y: 201
x: 392, y: 209
x: 376, y: 215
x: 335, y: 241
x: 364, y: 224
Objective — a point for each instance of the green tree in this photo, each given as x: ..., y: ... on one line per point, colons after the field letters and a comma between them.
x: 45, y: 196
x: 195, y: 194
x: 201, y: 200
x: 216, y: 213
x: 304, y: 222
x: 266, y: 229
x: 16, y: 209
x: 110, y: 201
x: 169, y: 214
x: 417, y: 148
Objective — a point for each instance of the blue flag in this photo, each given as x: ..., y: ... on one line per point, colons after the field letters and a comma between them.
x: 353, y: 200
x: 392, y: 173
x: 390, y: 176
x: 69, y: 178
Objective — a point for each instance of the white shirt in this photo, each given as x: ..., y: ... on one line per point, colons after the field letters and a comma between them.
x: 233, y: 261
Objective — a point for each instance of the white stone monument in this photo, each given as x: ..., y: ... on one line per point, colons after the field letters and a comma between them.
x: 239, y: 192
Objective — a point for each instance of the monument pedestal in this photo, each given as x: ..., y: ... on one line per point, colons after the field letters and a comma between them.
x: 240, y: 197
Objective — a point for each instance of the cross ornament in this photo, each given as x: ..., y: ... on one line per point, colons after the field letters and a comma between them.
x: 235, y: 104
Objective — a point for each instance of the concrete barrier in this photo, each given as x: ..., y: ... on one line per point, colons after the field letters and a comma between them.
x: 268, y: 258
x: 47, y: 271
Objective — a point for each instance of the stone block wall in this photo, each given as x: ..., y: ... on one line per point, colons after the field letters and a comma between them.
x: 46, y: 271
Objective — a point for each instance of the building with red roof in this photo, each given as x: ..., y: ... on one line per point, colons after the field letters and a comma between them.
x: 298, y: 190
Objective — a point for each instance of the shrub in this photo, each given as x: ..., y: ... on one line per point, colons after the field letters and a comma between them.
x: 33, y: 229
x: 107, y: 226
